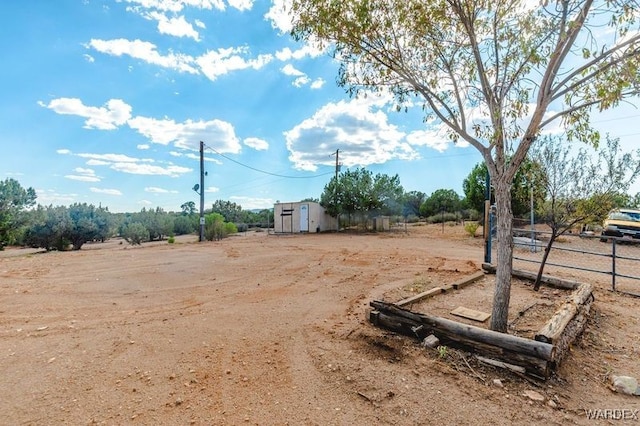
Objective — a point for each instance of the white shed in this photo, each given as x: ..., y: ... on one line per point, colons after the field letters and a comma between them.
x: 302, y: 216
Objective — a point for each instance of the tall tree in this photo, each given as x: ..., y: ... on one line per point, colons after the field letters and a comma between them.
x: 474, y: 186
x: 13, y: 200
x: 188, y: 208
x: 441, y: 200
x: 580, y: 189
x: 360, y: 191
x: 411, y: 202
x: 495, y: 73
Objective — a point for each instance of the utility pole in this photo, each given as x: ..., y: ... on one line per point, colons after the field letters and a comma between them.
x: 201, y: 191
x: 337, y: 164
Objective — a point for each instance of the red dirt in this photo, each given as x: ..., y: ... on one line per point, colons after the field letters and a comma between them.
x: 264, y: 329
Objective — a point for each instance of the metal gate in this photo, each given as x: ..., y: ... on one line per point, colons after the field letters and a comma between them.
x: 614, y: 261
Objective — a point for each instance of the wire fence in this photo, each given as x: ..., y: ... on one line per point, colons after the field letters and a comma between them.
x: 612, y: 262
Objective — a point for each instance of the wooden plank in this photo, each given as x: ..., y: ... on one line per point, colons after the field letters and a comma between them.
x: 421, y: 296
x: 468, y: 280
x: 471, y: 314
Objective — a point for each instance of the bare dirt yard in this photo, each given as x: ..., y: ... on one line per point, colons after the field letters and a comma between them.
x: 271, y: 330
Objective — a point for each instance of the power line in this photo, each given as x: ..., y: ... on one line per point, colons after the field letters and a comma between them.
x: 264, y: 171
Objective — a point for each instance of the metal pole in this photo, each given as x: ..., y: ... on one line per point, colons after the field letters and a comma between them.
x: 487, y: 219
x: 201, y: 191
x: 533, y: 227
x: 613, y: 264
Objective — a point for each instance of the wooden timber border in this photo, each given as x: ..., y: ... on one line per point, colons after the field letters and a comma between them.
x: 538, y: 357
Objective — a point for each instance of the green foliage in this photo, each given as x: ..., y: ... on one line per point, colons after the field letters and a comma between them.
x: 14, y: 199
x: 444, y: 217
x: 471, y: 228
x: 87, y: 224
x: 411, y: 202
x: 582, y: 189
x: 361, y: 192
x: 185, y: 224
x: 230, y: 211
x: 171, y: 239
x: 135, y: 233
x: 188, y: 208
x: 215, y: 228
x: 49, y: 227
x: 528, y: 174
x: 441, y: 200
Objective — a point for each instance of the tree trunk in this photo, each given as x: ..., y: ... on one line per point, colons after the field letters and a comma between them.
x: 545, y: 256
x: 504, y: 261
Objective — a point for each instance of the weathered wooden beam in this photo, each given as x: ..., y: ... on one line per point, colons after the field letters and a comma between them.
x: 556, y: 328
x: 402, y: 325
x: 531, y: 276
x: 418, y: 297
x: 473, y: 334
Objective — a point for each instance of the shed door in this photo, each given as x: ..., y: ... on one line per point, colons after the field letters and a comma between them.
x: 304, y: 218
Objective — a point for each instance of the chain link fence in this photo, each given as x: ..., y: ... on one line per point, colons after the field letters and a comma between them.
x: 610, y: 262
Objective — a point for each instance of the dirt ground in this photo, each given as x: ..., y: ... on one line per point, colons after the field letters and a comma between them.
x: 271, y: 330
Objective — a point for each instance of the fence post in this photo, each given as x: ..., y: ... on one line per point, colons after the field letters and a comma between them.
x: 613, y: 264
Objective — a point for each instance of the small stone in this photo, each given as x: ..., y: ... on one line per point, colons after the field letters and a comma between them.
x: 533, y: 395
x: 552, y: 404
x: 498, y: 383
x: 625, y: 384
x: 431, y: 341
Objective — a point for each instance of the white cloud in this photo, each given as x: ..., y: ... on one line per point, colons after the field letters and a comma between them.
x: 156, y: 190
x: 241, y: 5
x: 93, y: 162
x: 63, y: 151
x: 145, y: 202
x: 358, y: 128
x: 256, y: 143
x: 143, y: 146
x: 212, y: 189
x: 187, y: 135
x: 436, y: 138
x: 83, y: 178
x: 249, y: 203
x: 89, y: 58
x: 111, y: 158
x: 301, y: 81
x: 309, y: 50
x: 126, y: 164
x: 149, y: 169
x: 279, y: 16
x: 291, y: 70
x: 50, y: 196
x: 105, y: 191
x: 145, y: 51
x: 115, y: 112
x: 216, y: 63
x: 84, y: 175
x: 175, y: 5
x: 175, y: 26
x: 200, y: 24
x: 317, y: 84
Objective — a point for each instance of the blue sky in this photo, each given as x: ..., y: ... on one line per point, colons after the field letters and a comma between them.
x: 105, y: 102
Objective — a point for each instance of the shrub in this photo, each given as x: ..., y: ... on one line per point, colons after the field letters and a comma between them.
x: 135, y: 233
x: 471, y: 228
x: 171, y: 239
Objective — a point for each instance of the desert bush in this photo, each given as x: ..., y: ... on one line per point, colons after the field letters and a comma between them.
x: 135, y: 233
x: 171, y: 239
x: 443, y: 217
x: 471, y: 228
